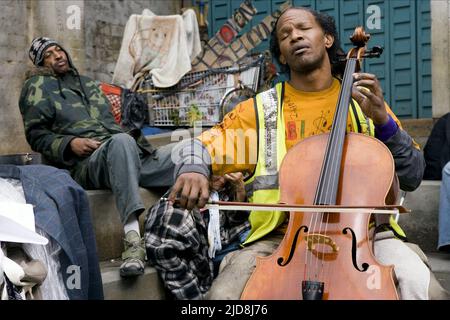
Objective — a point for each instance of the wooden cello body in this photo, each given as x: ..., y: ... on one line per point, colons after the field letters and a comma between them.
x: 330, y: 263
x: 329, y: 255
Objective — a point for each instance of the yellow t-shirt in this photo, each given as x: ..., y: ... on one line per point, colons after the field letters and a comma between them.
x: 305, y: 114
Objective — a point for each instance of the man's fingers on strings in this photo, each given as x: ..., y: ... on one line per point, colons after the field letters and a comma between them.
x: 364, y: 83
x: 365, y: 93
x: 368, y: 85
x: 358, y: 96
x: 363, y: 75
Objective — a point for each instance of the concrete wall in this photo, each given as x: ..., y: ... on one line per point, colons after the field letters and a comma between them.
x: 95, y: 45
x: 105, y: 23
x: 91, y: 30
x: 13, y: 58
x: 440, y: 67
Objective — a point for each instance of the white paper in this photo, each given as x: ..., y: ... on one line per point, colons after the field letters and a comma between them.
x: 17, y: 224
x: 11, y: 231
x: 22, y: 213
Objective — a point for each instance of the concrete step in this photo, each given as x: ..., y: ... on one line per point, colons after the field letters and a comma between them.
x: 145, y: 287
x: 107, y: 226
x: 176, y: 135
x: 440, y: 265
x: 109, y: 234
x: 150, y: 287
x: 160, y: 139
x: 421, y: 225
x: 418, y: 129
x: 105, y: 218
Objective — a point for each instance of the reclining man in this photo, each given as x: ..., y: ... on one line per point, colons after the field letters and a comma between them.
x: 67, y: 118
x: 305, y: 43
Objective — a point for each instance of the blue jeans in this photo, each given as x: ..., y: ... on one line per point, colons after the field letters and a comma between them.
x: 444, y: 208
x: 227, y: 249
x: 119, y: 164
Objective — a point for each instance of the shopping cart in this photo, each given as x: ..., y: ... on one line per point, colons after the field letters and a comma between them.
x: 196, y: 99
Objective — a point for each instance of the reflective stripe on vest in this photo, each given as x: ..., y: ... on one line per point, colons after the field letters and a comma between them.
x: 262, y: 183
x: 263, y: 186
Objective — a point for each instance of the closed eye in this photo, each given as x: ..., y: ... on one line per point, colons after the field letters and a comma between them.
x: 284, y: 36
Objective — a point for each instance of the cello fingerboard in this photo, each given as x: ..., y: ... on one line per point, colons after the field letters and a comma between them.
x: 326, y: 192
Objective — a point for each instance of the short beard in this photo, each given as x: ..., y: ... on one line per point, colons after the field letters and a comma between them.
x: 60, y: 71
x: 308, y: 67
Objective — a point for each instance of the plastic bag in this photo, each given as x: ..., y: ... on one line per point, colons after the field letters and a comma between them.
x: 134, y: 109
x: 53, y: 286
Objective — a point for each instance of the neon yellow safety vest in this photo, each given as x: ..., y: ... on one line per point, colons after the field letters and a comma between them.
x: 262, y: 186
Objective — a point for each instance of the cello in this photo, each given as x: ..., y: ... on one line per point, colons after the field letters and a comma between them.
x: 328, y: 254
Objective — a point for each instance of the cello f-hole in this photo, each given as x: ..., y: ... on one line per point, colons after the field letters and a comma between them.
x: 365, y: 265
x: 293, y: 246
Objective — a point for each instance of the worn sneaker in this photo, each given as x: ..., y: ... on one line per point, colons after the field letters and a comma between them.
x: 134, y: 255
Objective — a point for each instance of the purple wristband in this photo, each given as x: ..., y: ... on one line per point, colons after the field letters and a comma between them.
x: 387, y: 130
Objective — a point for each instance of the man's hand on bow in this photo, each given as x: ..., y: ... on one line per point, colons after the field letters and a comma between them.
x: 193, y: 190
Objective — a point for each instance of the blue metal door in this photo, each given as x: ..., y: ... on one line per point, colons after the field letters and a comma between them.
x: 401, y: 27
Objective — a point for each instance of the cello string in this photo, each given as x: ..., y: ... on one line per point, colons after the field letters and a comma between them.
x: 341, y: 125
x: 328, y: 195
x: 326, y: 169
x: 308, y: 254
x: 342, y: 121
x: 321, y: 191
x: 317, y: 199
x: 325, y: 267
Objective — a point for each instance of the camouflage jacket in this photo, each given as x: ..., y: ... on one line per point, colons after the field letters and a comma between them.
x: 57, y: 109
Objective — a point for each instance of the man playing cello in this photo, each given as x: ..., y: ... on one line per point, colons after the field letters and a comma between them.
x: 306, y: 44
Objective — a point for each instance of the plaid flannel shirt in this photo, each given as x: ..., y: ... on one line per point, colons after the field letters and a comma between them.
x: 177, y: 246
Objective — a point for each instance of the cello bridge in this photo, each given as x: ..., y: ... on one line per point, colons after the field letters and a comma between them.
x: 317, y: 238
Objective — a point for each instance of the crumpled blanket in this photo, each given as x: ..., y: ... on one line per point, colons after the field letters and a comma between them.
x: 163, y: 46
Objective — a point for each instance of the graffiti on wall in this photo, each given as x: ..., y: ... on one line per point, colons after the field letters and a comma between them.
x: 223, y: 50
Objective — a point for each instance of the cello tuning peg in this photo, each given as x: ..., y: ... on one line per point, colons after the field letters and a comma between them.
x: 375, y: 52
x: 377, y: 49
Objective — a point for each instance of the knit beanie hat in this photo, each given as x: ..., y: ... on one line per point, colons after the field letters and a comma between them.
x: 38, y: 47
